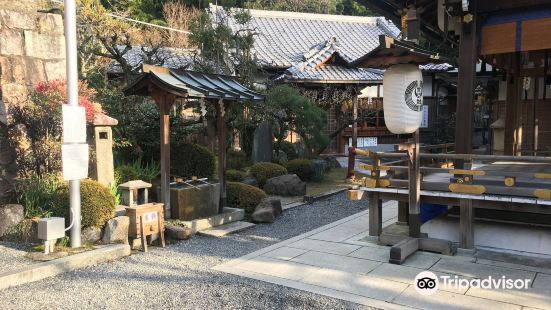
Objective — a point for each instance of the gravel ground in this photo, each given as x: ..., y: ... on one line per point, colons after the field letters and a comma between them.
x: 179, y: 276
x: 12, y: 256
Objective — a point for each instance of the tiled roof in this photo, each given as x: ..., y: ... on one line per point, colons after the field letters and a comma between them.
x: 436, y: 67
x: 330, y: 73
x: 171, y: 58
x: 284, y: 37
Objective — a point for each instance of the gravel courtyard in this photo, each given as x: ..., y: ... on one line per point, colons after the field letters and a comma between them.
x: 179, y: 276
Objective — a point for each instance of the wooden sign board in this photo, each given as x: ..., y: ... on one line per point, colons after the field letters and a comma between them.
x: 146, y: 220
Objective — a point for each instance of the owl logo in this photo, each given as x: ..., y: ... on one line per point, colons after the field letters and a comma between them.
x: 414, y: 96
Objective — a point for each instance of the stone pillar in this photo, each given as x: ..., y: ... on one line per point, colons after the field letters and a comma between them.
x: 103, y: 142
x: 262, y: 143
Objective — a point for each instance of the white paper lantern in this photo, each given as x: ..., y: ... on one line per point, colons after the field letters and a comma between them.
x: 403, y: 98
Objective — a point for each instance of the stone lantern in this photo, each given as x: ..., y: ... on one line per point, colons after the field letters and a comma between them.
x: 104, y: 171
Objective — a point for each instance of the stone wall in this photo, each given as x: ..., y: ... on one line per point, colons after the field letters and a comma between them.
x: 32, y: 49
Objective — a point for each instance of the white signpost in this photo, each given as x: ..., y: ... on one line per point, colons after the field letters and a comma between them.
x: 73, y: 150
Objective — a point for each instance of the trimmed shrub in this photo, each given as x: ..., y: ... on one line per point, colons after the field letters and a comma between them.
x: 303, y: 168
x: 97, y: 203
x: 126, y: 173
x: 235, y: 175
x: 188, y: 159
x: 244, y: 196
x: 289, y: 149
x: 237, y: 160
x: 264, y: 171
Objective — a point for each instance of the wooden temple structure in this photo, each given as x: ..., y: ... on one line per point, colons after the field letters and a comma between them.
x: 514, y: 37
x: 165, y: 86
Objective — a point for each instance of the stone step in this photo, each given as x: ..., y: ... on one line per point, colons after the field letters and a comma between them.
x: 222, y: 230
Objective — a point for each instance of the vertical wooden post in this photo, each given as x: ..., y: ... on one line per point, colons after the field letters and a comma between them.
x: 414, y: 187
x: 465, y: 87
x: 355, y: 120
x: 164, y: 102
x: 403, y: 212
x: 222, y: 137
x: 466, y: 224
x: 512, y: 106
x: 375, y: 214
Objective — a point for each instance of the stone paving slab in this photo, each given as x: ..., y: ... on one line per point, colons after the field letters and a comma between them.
x: 285, y: 253
x: 356, y: 284
x: 449, y: 301
x: 324, y: 246
x: 337, y: 262
x: 473, y: 270
x: 483, y: 261
x: 357, y: 270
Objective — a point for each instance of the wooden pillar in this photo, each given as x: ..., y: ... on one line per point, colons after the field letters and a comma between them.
x: 465, y: 87
x: 355, y: 120
x: 414, y: 187
x: 512, y: 106
x: 375, y: 214
x: 466, y: 224
x: 222, y: 141
x: 165, y: 102
x: 403, y: 212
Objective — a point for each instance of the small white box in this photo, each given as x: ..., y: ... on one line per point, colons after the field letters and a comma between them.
x: 51, y: 228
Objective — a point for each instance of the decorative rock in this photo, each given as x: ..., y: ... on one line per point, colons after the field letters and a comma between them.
x: 285, y: 185
x: 332, y: 162
x: 91, y: 234
x: 267, y: 211
x: 178, y: 232
x: 116, y: 230
x: 250, y: 181
x: 10, y: 215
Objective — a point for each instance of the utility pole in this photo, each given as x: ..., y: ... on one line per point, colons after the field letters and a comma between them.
x: 72, y: 96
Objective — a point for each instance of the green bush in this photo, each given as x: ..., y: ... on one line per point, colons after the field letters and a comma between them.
x: 235, y: 175
x: 188, y: 159
x: 244, y: 196
x: 125, y: 173
x: 37, y: 194
x: 264, y: 171
x: 301, y: 167
x: 97, y: 203
x: 289, y: 149
x: 237, y: 160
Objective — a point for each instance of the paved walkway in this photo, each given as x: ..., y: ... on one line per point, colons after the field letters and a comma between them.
x: 336, y: 261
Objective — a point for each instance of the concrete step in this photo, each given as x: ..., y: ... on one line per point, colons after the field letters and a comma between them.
x: 222, y: 230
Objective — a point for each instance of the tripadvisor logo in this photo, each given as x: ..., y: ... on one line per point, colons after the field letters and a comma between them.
x: 427, y: 283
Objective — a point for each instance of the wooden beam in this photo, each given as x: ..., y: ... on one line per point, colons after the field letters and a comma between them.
x: 466, y: 224
x: 375, y: 214
x: 414, y: 176
x: 465, y: 88
x: 512, y: 106
x: 165, y: 101
x: 222, y: 139
x: 355, y: 121
x: 403, y: 212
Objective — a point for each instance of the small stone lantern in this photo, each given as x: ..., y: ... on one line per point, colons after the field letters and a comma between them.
x: 103, y: 142
x: 134, y: 193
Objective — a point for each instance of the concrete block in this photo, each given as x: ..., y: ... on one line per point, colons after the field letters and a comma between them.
x: 229, y: 215
x: 55, y: 267
x: 226, y: 229
x: 401, y: 250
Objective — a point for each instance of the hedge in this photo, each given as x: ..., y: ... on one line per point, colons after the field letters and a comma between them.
x: 188, y: 159
x: 237, y: 160
x: 289, y: 149
x: 263, y: 171
x: 244, y: 196
x: 126, y: 173
x: 303, y: 168
x: 235, y: 175
x: 97, y: 203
